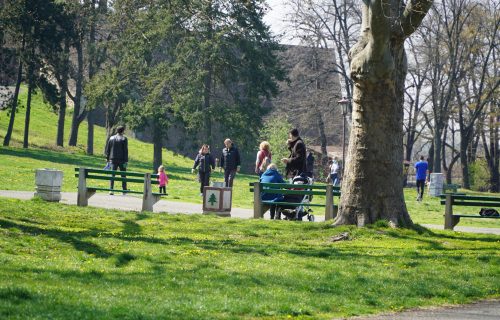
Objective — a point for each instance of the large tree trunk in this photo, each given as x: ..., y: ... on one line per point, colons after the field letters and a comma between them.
x: 373, y: 183
x: 10, y: 128
x: 157, y: 146
x: 90, y: 133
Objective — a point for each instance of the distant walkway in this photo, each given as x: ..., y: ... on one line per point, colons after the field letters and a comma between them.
x: 133, y: 203
x: 482, y: 310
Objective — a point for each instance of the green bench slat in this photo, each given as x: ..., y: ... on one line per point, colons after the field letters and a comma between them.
x: 124, y: 191
x: 473, y: 203
x: 285, y: 191
x: 467, y: 197
x: 113, y: 190
x: 110, y: 172
x: 117, y: 178
x: 295, y: 186
x: 294, y: 204
x: 474, y: 216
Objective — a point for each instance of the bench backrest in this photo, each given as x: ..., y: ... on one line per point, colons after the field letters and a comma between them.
x: 288, y: 188
x: 108, y: 175
x: 471, y: 201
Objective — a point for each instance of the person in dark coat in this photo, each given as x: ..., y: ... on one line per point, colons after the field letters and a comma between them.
x: 230, y: 161
x: 296, y: 162
x: 271, y: 175
x: 117, y: 154
x: 205, y: 162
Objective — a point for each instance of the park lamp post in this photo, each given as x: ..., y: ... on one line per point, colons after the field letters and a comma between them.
x: 344, y: 104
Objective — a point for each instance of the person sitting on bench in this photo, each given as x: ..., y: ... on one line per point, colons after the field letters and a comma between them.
x: 271, y: 175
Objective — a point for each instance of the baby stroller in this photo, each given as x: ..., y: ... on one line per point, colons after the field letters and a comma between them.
x: 297, y: 212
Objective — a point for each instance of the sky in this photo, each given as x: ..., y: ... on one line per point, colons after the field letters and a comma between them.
x: 275, y: 16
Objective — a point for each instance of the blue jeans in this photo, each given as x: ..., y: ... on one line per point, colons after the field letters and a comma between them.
x: 334, y: 177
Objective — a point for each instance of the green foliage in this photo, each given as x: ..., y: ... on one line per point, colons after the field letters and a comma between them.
x: 479, y: 175
x: 65, y: 262
x: 275, y: 131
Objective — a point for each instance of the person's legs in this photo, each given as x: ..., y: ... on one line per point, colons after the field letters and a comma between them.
x: 226, y: 177
x: 122, y: 168
x: 230, y: 181
x: 272, y: 210
x: 335, y: 179
x: 114, y: 167
x: 420, y: 189
x: 163, y: 190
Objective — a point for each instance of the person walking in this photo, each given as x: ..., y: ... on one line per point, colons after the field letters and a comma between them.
x: 334, y: 172
x: 230, y: 161
x: 117, y: 154
x: 264, y: 158
x: 205, y: 162
x: 296, y: 162
x: 421, y: 168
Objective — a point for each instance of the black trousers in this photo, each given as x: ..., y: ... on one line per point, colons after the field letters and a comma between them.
x: 204, y: 180
x: 163, y: 189
x: 229, y: 177
x: 115, y: 166
x: 420, y: 188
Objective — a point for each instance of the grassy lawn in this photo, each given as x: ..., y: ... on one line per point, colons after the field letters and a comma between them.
x: 63, y: 262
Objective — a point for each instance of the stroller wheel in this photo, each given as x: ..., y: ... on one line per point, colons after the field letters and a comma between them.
x: 310, y: 217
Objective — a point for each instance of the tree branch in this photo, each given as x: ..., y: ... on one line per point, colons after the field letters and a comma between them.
x: 413, y: 15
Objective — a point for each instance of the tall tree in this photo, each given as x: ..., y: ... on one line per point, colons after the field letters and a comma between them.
x: 372, y: 187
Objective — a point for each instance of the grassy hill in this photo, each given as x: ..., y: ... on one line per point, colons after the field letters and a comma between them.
x: 17, y: 165
x: 66, y: 262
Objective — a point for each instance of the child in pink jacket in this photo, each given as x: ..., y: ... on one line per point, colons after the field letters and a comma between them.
x: 162, y: 179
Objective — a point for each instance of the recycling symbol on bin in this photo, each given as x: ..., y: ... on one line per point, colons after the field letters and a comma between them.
x: 212, y: 199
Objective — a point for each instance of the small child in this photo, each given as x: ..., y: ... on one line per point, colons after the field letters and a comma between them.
x: 162, y: 179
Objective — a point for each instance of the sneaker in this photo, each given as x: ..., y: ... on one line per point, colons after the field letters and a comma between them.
x: 111, y: 193
x: 201, y: 194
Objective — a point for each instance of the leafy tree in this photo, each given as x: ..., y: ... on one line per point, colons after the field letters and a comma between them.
x: 275, y: 131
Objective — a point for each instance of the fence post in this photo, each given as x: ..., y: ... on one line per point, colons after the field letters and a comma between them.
x: 257, y: 201
x: 82, y: 198
x: 147, y: 197
x: 329, y: 202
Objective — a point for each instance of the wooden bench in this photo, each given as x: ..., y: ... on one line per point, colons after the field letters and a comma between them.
x: 149, y: 198
x: 261, y: 206
x: 450, y: 200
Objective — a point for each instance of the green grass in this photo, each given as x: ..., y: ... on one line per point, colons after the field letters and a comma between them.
x: 61, y: 262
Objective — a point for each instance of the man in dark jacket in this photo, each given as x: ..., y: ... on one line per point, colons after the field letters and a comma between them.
x: 310, y: 164
x: 117, y: 154
x: 230, y: 161
x: 296, y: 162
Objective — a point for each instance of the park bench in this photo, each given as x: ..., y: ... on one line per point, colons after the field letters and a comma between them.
x: 261, y: 206
x: 149, y: 198
x: 449, y: 200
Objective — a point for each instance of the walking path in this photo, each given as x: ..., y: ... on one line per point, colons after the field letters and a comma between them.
x: 133, y: 203
x: 482, y: 310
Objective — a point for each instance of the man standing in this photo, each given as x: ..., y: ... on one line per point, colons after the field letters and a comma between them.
x: 310, y: 164
x: 421, y: 175
x: 334, y: 172
x: 230, y: 161
x: 117, y: 154
x: 296, y: 162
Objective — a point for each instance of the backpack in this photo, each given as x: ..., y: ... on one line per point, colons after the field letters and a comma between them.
x: 488, y: 212
x: 264, y: 164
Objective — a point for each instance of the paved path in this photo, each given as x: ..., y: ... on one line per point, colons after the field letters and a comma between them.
x: 134, y: 203
x: 482, y: 310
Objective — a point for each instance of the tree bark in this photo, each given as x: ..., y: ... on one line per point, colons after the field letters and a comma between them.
x: 157, y: 148
x: 63, y: 87
x: 28, y: 102
x: 78, y: 114
x: 10, y: 128
x: 373, y: 183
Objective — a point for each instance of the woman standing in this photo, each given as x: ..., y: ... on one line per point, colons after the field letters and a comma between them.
x: 206, y: 163
x: 263, y: 158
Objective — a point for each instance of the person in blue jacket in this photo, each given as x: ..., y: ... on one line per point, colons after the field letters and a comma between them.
x: 421, y: 169
x: 271, y: 175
